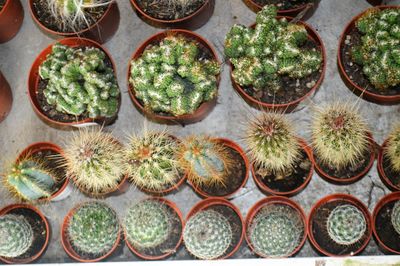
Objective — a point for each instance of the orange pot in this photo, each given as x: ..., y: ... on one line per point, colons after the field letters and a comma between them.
x: 385, y: 179
x: 11, y: 18
x: 6, y: 98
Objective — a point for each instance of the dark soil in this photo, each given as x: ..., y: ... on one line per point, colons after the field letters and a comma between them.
x: 2, y: 2
x: 391, y: 174
x: 166, y: 10
x: 384, y: 228
x: 283, y: 4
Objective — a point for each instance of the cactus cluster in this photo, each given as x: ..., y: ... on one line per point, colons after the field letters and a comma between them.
x: 174, y: 77
x: 270, y: 50
x: 79, y: 82
x: 208, y: 235
x: 379, y: 50
x: 346, y: 225
x: 392, y: 149
x: 395, y: 217
x: 276, y: 231
x: 16, y: 236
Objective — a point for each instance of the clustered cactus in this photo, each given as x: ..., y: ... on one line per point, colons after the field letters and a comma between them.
x: 392, y: 149
x: 379, y: 51
x: 173, y: 77
x: 395, y: 217
x: 208, y: 235
x: 16, y: 235
x: 270, y: 50
x: 80, y: 82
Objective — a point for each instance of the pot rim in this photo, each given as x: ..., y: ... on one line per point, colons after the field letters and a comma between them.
x: 281, y: 11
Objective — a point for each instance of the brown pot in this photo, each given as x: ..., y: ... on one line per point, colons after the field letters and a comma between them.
x: 6, y: 98
x: 353, y: 86
x: 101, y: 31
x: 193, y: 21
x: 385, y: 179
x: 270, y: 201
x: 34, y: 78
x: 11, y: 209
x: 11, y: 18
x: 342, y: 198
x: 203, y: 110
x: 167, y: 252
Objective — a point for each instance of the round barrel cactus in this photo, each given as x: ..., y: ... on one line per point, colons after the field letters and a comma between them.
x: 392, y: 150
x: 395, y: 217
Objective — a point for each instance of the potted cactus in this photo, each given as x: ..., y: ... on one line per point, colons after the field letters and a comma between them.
x: 6, y: 98
x: 153, y: 228
x: 24, y: 234
x: 389, y: 160
x: 213, y: 230
x: 275, y: 64
x: 173, y: 77
x: 281, y: 161
x: 369, y: 57
x: 11, y: 17
x: 339, y: 225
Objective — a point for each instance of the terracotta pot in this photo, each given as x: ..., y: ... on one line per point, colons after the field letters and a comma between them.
x: 203, y: 110
x: 353, y: 86
x: 101, y: 31
x: 11, y: 18
x: 385, y: 179
x: 168, y: 252
x: 11, y: 208
x: 34, y: 78
x: 270, y: 201
x: 268, y: 190
x: 193, y: 21
x: 342, y: 198
x: 291, y: 106
x: 6, y: 98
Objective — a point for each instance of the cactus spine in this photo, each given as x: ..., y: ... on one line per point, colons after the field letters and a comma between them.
x: 395, y: 217
x: 392, y: 150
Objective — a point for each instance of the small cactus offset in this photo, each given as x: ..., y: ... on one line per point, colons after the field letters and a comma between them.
x: 392, y: 149
x: 173, y: 77
x: 208, y: 235
x: 395, y: 217
x: 16, y: 236
x: 79, y: 82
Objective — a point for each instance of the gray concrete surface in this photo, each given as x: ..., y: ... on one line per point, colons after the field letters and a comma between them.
x: 23, y: 127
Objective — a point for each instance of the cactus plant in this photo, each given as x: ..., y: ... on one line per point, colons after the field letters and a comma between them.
x: 395, y: 217
x: 79, y: 82
x: 392, y: 149
x: 16, y: 235
x: 174, y: 77
x: 346, y: 224
x: 208, y: 234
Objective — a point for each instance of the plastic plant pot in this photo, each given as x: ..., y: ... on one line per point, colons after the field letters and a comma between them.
x: 11, y: 18
x: 381, y: 169
x: 6, y: 98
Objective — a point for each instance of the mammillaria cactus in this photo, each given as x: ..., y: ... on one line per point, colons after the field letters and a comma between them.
x: 16, y: 235
x: 395, y: 217
x: 174, y: 77
x: 392, y: 149
x: 80, y: 82
x: 208, y: 234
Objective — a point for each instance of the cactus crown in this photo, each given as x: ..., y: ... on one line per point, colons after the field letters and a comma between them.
x: 276, y: 231
x: 79, y: 82
x: 379, y: 51
x: 93, y: 228
x: 208, y: 235
x: 173, y: 77
x: 16, y: 235
x: 346, y: 225
x: 392, y: 150
x: 339, y: 135
x: 395, y: 217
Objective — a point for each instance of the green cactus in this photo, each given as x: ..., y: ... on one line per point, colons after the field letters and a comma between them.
x: 93, y: 228
x: 395, y: 217
x: 79, y: 82
x: 172, y: 77
x: 392, y: 149
x: 16, y: 236
x: 346, y: 224
x: 208, y: 235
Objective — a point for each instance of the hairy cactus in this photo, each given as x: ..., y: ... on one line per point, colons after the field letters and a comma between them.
x: 93, y: 228
x: 379, y: 51
x: 173, y: 77
x: 16, y: 235
x: 208, y: 235
x: 276, y: 231
x: 273, y: 49
x: 346, y: 225
x: 79, y: 82
x: 392, y: 150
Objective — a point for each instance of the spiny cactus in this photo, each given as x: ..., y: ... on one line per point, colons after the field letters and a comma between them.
x: 273, y: 49
x: 173, y: 76
x: 93, y: 228
x: 208, y: 235
x: 346, y: 224
x: 79, y: 82
x: 276, y: 231
x: 395, y: 217
x: 16, y: 235
x: 392, y: 149
x: 379, y: 51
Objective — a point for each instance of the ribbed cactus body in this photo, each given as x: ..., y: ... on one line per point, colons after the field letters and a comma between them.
x: 392, y: 149
x: 395, y: 217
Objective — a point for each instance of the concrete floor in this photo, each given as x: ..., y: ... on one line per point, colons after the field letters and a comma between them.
x: 23, y: 127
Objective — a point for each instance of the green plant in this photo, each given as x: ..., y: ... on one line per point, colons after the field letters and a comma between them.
x: 93, y: 228
x: 16, y: 235
x: 174, y: 77
x: 208, y: 235
x: 379, y: 50
x: 392, y: 149
x: 276, y: 231
x: 79, y: 82
x: 395, y: 217
x: 346, y: 224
